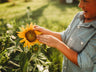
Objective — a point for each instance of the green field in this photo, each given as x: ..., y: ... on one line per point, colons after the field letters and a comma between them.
x: 49, y: 14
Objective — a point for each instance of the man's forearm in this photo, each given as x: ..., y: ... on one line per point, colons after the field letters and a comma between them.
x: 55, y: 34
x: 69, y: 53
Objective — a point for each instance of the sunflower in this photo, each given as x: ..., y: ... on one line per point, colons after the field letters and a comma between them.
x: 28, y: 36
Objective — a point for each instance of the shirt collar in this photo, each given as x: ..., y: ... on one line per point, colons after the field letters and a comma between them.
x: 89, y: 24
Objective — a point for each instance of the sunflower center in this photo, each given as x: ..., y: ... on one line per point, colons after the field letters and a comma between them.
x: 30, y: 36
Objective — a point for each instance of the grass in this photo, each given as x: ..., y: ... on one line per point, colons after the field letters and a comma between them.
x: 8, y: 10
x: 49, y: 14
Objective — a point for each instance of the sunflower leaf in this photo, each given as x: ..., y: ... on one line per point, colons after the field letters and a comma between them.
x: 17, y: 42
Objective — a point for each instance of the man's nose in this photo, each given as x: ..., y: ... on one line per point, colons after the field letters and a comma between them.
x: 81, y: 4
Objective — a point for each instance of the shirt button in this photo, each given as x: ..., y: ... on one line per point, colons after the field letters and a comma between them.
x: 78, y: 27
x: 70, y: 39
x: 65, y: 67
x: 82, y: 43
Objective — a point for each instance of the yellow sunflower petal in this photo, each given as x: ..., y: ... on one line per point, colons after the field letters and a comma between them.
x: 21, y: 36
x: 19, y: 32
x: 27, y: 34
x: 22, y: 40
x: 31, y: 25
x: 38, y: 42
x: 27, y: 26
x: 22, y: 28
x: 28, y: 44
x: 24, y: 45
x: 38, y: 33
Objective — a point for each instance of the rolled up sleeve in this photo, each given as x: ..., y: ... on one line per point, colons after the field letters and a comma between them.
x: 65, y: 33
x: 63, y: 36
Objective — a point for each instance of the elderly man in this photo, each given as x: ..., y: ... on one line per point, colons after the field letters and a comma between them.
x: 78, y: 41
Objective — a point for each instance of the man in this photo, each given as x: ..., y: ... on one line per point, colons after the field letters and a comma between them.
x: 78, y: 41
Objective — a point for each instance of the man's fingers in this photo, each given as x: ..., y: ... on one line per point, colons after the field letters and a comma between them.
x: 35, y: 26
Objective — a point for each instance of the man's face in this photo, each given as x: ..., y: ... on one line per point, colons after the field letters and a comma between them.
x: 89, y: 8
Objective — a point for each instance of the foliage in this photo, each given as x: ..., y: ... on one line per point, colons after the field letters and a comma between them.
x: 49, y: 14
x: 15, y: 58
x: 55, y: 57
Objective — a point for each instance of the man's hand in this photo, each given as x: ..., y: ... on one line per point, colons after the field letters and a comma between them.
x: 48, y: 40
x: 41, y: 29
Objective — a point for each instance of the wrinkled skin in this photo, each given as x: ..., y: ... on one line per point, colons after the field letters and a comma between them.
x: 89, y: 9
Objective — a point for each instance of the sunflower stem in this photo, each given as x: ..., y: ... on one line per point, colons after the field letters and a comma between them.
x: 14, y: 63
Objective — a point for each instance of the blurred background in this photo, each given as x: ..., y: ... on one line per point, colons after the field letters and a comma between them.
x: 54, y: 15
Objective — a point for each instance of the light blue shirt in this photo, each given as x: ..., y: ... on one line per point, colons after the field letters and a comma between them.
x: 77, y: 36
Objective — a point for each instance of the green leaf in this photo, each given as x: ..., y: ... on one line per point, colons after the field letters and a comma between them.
x: 24, y: 62
x: 17, y: 42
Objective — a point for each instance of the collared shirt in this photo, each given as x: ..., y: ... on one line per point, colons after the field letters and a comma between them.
x: 79, y: 36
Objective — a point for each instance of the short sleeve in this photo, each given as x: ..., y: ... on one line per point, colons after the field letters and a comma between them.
x: 87, y: 58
